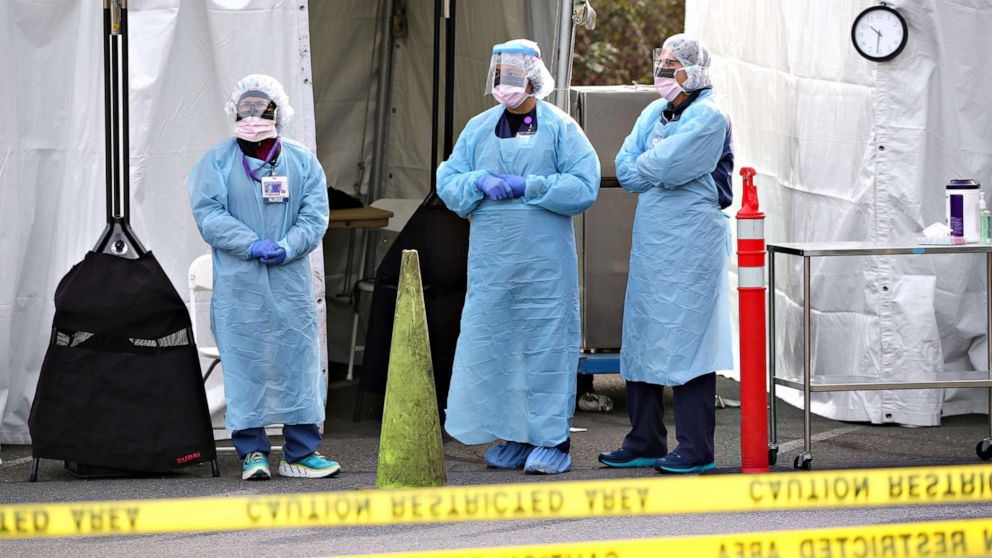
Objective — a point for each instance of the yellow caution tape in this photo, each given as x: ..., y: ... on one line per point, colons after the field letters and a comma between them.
x: 554, y: 500
x: 965, y: 538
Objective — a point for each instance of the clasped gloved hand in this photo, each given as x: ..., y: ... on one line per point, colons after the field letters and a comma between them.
x: 274, y: 257
x: 517, y: 183
x: 494, y: 188
x: 261, y: 247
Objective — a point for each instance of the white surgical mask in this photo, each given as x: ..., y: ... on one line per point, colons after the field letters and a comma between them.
x: 254, y: 128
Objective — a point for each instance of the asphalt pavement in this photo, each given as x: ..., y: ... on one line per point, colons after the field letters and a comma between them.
x: 836, y: 445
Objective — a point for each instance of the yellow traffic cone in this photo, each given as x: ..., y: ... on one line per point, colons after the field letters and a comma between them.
x: 410, y: 449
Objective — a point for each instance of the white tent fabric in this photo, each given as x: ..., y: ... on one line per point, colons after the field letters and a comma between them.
x: 848, y: 149
x: 185, y: 59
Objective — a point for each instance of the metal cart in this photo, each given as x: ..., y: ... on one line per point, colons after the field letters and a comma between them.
x: 969, y: 379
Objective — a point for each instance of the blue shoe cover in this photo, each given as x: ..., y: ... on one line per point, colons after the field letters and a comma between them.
x: 511, y: 455
x: 548, y: 461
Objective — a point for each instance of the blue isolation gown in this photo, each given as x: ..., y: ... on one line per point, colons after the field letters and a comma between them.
x: 515, y: 364
x: 676, y: 323
x: 264, y: 318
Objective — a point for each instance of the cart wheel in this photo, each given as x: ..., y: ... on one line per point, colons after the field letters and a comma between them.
x: 214, y: 469
x: 984, y: 449
x: 803, y: 462
x: 34, y: 470
x: 772, y: 455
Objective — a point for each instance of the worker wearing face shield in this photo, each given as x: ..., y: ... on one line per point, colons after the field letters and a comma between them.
x: 260, y: 201
x: 676, y: 327
x: 519, y: 172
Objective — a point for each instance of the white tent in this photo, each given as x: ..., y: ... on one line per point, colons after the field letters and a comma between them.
x: 184, y: 60
x: 848, y: 149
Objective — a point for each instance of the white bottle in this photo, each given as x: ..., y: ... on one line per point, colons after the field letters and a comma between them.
x: 984, y: 220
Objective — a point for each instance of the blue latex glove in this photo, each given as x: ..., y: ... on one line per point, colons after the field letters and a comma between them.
x: 494, y: 188
x: 517, y: 183
x: 274, y: 257
x: 260, y: 247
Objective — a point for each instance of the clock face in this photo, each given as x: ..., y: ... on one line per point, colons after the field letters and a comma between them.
x: 879, y: 33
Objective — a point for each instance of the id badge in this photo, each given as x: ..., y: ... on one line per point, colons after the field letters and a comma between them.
x: 275, y: 189
x: 525, y: 140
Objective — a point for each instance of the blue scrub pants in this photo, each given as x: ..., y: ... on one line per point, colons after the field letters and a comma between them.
x: 695, y: 419
x: 301, y: 441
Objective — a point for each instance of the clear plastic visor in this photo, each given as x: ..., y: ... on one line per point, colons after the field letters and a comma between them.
x: 255, y: 106
x: 507, y: 70
x: 664, y: 64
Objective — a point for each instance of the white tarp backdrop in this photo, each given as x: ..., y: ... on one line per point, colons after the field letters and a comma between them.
x: 848, y: 149
x: 185, y: 58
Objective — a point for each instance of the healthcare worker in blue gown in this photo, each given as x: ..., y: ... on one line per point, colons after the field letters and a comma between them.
x: 676, y: 324
x: 260, y: 201
x: 519, y: 172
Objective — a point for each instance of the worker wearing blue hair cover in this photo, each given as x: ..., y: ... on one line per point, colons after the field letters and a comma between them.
x: 260, y: 201
x: 676, y: 324
x: 519, y: 172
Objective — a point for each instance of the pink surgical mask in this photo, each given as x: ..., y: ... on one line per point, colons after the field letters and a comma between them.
x: 254, y: 128
x: 667, y: 87
x: 509, y: 95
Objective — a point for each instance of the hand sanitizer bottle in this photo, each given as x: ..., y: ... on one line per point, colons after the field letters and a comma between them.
x: 984, y: 219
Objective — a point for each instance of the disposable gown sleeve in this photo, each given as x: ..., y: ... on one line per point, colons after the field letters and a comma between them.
x: 693, y: 150
x: 311, y: 221
x: 456, y: 177
x: 208, y: 197
x: 575, y: 186
x: 626, y: 160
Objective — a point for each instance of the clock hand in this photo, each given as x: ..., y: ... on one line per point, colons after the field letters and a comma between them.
x: 878, y: 42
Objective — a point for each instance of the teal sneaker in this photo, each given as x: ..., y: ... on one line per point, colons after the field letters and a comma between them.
x: 625, y: 458
x: 255, y: 467
x: 675, y: 463
x: 313, y: 466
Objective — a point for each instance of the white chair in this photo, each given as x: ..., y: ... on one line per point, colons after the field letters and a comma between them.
x: 402, y: 210
x: 200, y: 279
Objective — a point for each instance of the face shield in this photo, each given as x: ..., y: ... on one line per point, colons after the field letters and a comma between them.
x: 664, y: 66
x: 255, y: 103
x: 515, y: 65
x: 508, y: 70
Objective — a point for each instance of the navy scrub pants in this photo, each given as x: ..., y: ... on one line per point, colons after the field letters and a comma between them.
x: 301, y: 441
x: 695, y: 419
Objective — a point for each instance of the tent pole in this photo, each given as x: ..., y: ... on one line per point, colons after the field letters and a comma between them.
x: 449, y: 79
x: 380, y: 142
x: 563, y: 54
x: 435, y: 92
x: 383, y: 96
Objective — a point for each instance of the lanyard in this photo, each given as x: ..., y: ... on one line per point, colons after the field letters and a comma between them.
x: 268, y: 158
